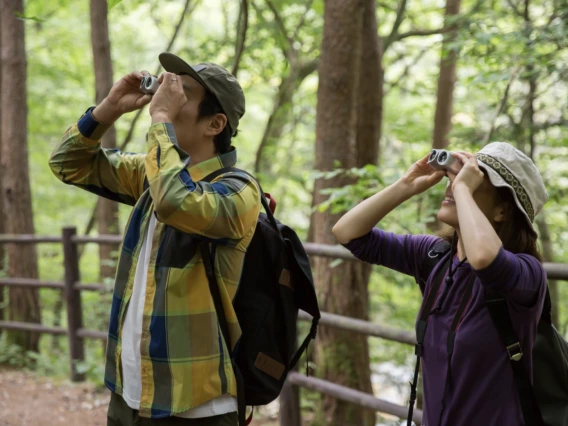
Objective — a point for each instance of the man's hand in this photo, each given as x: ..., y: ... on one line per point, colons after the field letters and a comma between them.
x: 125, y: 96
x: 168, y: 99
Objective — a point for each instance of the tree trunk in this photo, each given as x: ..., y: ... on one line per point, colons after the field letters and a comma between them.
x: 343, y: 357
x: 107, y: 214
x: 370, y: 98
x: 281, y: 111
x: 548, y: 256
x: 446, y: 82
x: 445, y: 94
x: 2, y: 219
x: 16, y: 194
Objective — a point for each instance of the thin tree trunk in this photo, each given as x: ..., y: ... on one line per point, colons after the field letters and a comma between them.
x: 369, y: 109
x: 16, y: 193
x: 446, y: 82
x: 342, y: 357
x: 187, y: 11
x: 107, y: 210
x: 370, y: 98
x: 281, y: 111
x: 547, y: 247
x: 445, y: 94
x: 2, y: 219
x: 548, y: 255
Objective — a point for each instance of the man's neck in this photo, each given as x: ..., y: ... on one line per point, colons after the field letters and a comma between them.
x: 200, y: 154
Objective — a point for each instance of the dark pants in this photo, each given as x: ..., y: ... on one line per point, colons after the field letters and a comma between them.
x: 120, y: 414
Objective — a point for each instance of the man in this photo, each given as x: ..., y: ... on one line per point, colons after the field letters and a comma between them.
x: 166, y: 360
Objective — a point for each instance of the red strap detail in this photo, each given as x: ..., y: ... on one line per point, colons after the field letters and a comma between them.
x: 271, y: 202
x: 251, y: 411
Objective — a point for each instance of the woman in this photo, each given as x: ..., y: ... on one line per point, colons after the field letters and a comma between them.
x: 490, y: 204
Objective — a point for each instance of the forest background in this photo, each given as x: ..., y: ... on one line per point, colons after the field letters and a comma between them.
x: 342, y: 96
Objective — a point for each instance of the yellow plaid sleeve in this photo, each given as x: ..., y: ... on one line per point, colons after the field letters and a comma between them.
x: 225, y: 209
x: 112, y: 174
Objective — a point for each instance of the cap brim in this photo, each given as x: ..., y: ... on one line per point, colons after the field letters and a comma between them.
x: 498, y: 182
x: 175, y: 64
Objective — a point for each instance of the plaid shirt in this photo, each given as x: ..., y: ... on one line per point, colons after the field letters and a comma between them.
x: 184, y: 358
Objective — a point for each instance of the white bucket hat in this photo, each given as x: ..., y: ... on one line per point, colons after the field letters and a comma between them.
x: 508, y: 167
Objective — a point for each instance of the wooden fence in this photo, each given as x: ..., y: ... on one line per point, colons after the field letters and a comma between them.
x: 289, y: 400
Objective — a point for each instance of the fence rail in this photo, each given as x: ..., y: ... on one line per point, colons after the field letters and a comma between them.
x: 290, y: 411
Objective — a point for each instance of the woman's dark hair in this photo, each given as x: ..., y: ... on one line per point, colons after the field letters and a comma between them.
x: 515, y: 232
x: 208, y: 107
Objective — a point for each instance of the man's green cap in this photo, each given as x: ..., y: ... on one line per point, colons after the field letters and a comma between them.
x: 217, y: 80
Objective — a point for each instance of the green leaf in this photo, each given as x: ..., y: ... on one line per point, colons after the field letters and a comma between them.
x: 113, y: 3
x: 29, y: 18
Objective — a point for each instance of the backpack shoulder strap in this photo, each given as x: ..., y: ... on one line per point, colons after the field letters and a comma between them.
x: 434, y: 257
x: 427, y: 305
x: 263, y: 200
x: 499, y: 313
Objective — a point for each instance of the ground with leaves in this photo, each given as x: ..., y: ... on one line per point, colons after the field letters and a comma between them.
x: 30, y: 400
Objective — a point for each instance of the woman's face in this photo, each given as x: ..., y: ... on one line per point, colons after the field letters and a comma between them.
x: 486, y: 198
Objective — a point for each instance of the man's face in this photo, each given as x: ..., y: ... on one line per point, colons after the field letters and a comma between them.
x: 189, y: 130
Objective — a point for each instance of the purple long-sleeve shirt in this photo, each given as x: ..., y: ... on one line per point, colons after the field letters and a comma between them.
x: 481, y: 389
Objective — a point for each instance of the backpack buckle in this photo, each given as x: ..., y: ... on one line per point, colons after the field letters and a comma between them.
x: 515, y: 351
x: 418, y: 349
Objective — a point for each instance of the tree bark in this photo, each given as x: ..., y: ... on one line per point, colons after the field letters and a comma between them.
x: 16, y: 193
x: 281, y: 111
x: 343, y: 357
x: 548, y: 256
x: 107, y: 213
x: 370, y: 98
x: 446, y: 82
x: 2, y: 219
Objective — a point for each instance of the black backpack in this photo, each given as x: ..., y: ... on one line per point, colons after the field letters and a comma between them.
x: 545, y: 402
x: 275, y: 283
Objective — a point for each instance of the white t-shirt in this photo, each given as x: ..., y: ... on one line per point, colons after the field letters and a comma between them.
x: 131, y: 336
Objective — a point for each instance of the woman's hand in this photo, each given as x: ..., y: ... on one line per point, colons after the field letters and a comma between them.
x: 421, y: 176
x: 470, y: 176
x: 168, y: 99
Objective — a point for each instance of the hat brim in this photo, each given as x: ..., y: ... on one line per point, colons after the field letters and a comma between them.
x: 497, y: 181
x: 175, y: 64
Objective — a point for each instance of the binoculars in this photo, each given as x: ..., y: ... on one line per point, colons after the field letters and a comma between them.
x: 440, y: 159
x: 149, y: 84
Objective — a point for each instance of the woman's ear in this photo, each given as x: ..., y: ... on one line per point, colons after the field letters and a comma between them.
x: 501, y: 213
x: 217, y: 124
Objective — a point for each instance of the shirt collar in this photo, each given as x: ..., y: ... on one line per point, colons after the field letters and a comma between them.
x: 201, y: 170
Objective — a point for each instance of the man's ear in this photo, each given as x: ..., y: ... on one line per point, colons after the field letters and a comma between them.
x: 216, y: 124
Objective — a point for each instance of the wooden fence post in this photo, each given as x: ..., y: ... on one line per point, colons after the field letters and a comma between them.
x: 290, y: 414
x: 73, y: 300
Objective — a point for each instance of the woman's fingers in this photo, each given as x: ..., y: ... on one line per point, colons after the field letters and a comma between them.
x: 462, y: 157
